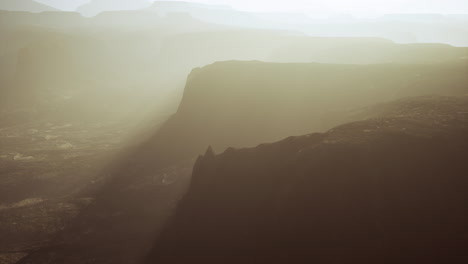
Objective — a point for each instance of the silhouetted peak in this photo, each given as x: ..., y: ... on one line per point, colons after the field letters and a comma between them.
x: 365, y: 176
x: 203, y: 166
x: 209, y: 153
x: 197, y: 163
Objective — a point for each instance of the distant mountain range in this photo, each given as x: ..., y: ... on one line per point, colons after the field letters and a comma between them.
x: 246, y: 86
x: 97, y: 6
x: 25, y: 5
x: 66, y: 5
x: 401, y: 28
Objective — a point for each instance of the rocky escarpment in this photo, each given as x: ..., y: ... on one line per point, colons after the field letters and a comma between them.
x: 390, y: 189
x: 229, y: 104
x: 240, y: 104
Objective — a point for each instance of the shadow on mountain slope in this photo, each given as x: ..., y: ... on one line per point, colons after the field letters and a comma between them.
x: 229, y: 104
x: 390, y: 189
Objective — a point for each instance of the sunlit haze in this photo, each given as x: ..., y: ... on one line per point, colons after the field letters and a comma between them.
x: 233, y: 131
x: 347, y: 6
x: 364, y: 7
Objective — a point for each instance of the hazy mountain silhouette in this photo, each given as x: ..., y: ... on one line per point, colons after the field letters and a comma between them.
x: 95, y: 7
x: 364, y: 51
x: 406, y: 28
x: 217, y: 14
x: 174, y: 44
x: 166, y: 7
x: 68, y: 5
x: 174, y: 23
x: 187, y: 51
x: 270, y: 101
x: 389, y: 189
x: 51, y: 20
x: 77, y: 74
x: 255, y: 102
x: 25, y: 5
x: 73, y: 87
x: 448, y: 29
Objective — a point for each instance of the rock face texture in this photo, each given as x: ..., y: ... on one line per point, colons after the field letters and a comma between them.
x: 230, y: 104
x: 240, y: 104
x: 389, y: 189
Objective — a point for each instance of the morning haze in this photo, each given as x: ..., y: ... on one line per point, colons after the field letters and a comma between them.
x: 233, y: 131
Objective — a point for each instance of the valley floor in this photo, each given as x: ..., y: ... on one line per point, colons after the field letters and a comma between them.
x: 48, y: 173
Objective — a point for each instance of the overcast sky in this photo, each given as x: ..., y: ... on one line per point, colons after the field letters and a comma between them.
x: 333, y: 6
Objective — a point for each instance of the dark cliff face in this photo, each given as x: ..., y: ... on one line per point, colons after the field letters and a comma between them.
x: 229, y: 104
x: 391, y: 189
x: 240, y: 104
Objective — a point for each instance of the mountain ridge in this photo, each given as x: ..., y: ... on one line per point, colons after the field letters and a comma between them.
x: 371, y: 191
x: 287, y: 98
x: 95, y: 7
x: 25, y: 5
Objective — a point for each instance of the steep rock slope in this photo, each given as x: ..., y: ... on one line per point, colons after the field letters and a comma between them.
x: 242, y: 103
x: 389, y: 189
x: 228, y: 104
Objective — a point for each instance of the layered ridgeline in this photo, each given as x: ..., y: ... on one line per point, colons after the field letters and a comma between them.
x: 60, y: 76
x: 230, y: 104
x: 200, y: 49
x: 358, y: 51
x: 95, y: 7
x: 240, y: 104
x: 25, y: 5
x: 57, y: 71
x: 388, y: 189
x: 402, y: 28
x: 410, y: 28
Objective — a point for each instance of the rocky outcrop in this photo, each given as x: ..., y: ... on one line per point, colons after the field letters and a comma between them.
x: 228, y: 104
x: 390, y: 189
